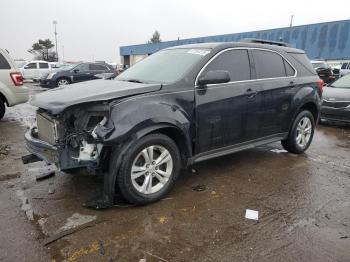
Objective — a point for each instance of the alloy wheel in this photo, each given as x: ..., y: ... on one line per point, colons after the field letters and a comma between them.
x: 151, y: 169
x: 304, y: 131
x: 63, y: 82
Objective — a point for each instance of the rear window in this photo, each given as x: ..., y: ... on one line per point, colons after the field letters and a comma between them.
x: 289, y: 69
x: 304, y: 61
x: 3, y: 63
x: 43, y: 65
x: 268, y: 64
x: 95, y: 67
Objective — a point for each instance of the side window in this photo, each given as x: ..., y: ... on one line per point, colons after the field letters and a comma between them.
x: 82, y: 67
x: 344, y: 65
x: 268, y: 64
x: 289, y: 69
x: 31, y: 66
x: 3, y: 63
x: 43, y: 65
x: 94, y: 67
x: 236, y: 62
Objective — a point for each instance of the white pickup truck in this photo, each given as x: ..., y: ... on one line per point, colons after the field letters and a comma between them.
x: 37, y: 69
x: 345, y: 68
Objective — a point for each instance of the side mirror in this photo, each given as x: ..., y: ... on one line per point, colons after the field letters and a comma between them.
x: 26, y: 67
x: 76, y: 70
x: 214, y: 77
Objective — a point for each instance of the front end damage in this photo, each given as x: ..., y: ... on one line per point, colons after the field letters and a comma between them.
x: 68, y: 140
x: 74, y: 139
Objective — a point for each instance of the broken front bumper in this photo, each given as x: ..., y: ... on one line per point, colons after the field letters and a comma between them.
x: 41, y: 149
x: 62, y: 157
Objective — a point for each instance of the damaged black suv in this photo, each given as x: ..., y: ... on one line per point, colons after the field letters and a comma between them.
x: 177, y: 107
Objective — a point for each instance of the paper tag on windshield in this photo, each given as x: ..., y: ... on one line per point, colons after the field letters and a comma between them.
x: 198, y: 52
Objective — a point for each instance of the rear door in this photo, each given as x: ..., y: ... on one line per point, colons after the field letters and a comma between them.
x: 277, y: 78
x: 221, y: 109
x: 44, y: 69
x: 96, y: 69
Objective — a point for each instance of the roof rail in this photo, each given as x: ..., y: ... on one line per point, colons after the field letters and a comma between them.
x: 266, y: 42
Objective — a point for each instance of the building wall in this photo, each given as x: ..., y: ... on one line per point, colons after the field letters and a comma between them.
x: 330, y: 41
x: 136, y: 58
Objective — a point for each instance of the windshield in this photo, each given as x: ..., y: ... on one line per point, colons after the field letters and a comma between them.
x: 165, y: 66
x: 343, y: 82
x: 319, y: 65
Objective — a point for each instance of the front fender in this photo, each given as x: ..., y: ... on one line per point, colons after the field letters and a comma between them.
x: 134, y: 120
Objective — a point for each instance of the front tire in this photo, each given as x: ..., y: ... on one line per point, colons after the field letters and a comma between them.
x: 301, y: 134
x: 62, y: 81
x: 2, y: 109
x: 149, y: 169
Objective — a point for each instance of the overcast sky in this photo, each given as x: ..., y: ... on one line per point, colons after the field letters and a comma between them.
x: 94, y: 29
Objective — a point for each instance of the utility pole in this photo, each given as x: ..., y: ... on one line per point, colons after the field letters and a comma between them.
x: 55, y: 23
x: 291, y: 21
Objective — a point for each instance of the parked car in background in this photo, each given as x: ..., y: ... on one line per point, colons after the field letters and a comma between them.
x: 336, y: 70
x: 336, y: 101
x: 324, y: 71
x: 34, y: 70
x: 12, y: 91
x: 345, y: 68
x: 76, y: 73
x: 177, y: 107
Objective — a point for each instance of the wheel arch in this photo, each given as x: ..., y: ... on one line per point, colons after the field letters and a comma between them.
x: 3, y: 98
x: 176, y: 134
x: 63, y: 77
x: 312, y: 107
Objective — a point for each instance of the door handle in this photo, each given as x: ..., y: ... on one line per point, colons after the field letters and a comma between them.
x: 291, y: 84
x: 250, y: 93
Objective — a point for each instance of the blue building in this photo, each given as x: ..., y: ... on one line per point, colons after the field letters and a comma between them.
x: 328, y: 41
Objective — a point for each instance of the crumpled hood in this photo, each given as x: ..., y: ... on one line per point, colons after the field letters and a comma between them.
x: 58, y: 99
x: 336, y: 94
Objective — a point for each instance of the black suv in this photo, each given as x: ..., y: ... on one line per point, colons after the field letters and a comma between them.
x: 177, y: 107
x: 76, y: 73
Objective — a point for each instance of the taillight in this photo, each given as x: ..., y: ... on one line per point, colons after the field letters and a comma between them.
x: 321, y: 84
x: 17, y: 78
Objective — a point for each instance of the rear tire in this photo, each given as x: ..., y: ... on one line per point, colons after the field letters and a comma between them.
x: 2, y: 109
x: 301, y: 134
x: 149, y: 169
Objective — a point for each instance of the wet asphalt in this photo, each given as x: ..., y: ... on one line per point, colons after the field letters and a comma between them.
x: 303, y: 203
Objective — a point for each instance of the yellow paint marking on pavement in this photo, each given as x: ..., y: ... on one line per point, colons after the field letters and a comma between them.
x: 162, y: 220
x: 92, y: 248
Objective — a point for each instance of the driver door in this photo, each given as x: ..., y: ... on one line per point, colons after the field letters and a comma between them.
x: 81, y: 73
x: 222, y: 110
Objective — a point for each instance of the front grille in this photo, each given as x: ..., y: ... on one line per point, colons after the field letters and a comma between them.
x: 336, y: 104
x: 46, y: 129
